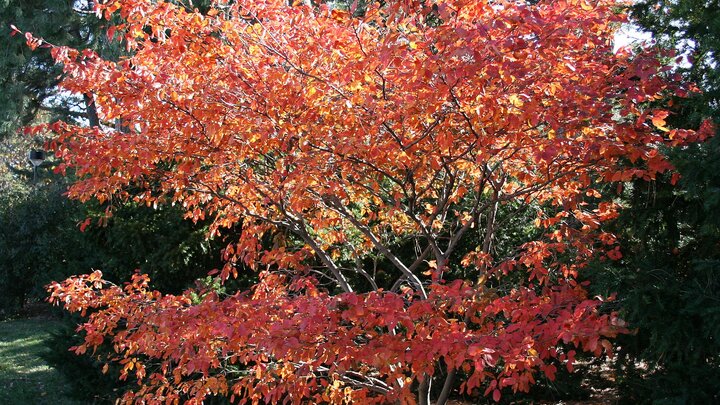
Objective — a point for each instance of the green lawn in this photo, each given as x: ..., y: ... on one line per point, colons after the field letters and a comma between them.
x: 25, y: 377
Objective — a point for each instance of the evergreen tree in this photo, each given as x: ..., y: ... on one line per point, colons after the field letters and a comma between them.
x: 28, y: 78
x: 669, y: 280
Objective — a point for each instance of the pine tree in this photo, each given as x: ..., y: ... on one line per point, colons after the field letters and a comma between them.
x: 669, y: 279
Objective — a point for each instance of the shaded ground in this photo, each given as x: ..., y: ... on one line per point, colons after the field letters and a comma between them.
x: 25, y: 377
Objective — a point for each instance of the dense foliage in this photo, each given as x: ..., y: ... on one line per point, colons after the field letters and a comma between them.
x: 38, y: 227
x: 327, y: 139
x: 39, y: 236
x: 40, y: 242
x: 669, y: 278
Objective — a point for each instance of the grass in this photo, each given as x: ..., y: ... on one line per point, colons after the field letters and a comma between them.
x: 25, y: 377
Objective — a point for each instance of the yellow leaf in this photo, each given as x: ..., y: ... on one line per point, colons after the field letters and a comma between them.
x: 658, y: 120
x: 553, y: 88
x: 515, y: 100
x: 354, y: 86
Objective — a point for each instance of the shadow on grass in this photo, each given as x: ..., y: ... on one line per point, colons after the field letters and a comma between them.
x: 25, y: 377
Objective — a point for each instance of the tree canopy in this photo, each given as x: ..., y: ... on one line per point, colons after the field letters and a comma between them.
x: 321, y: 138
